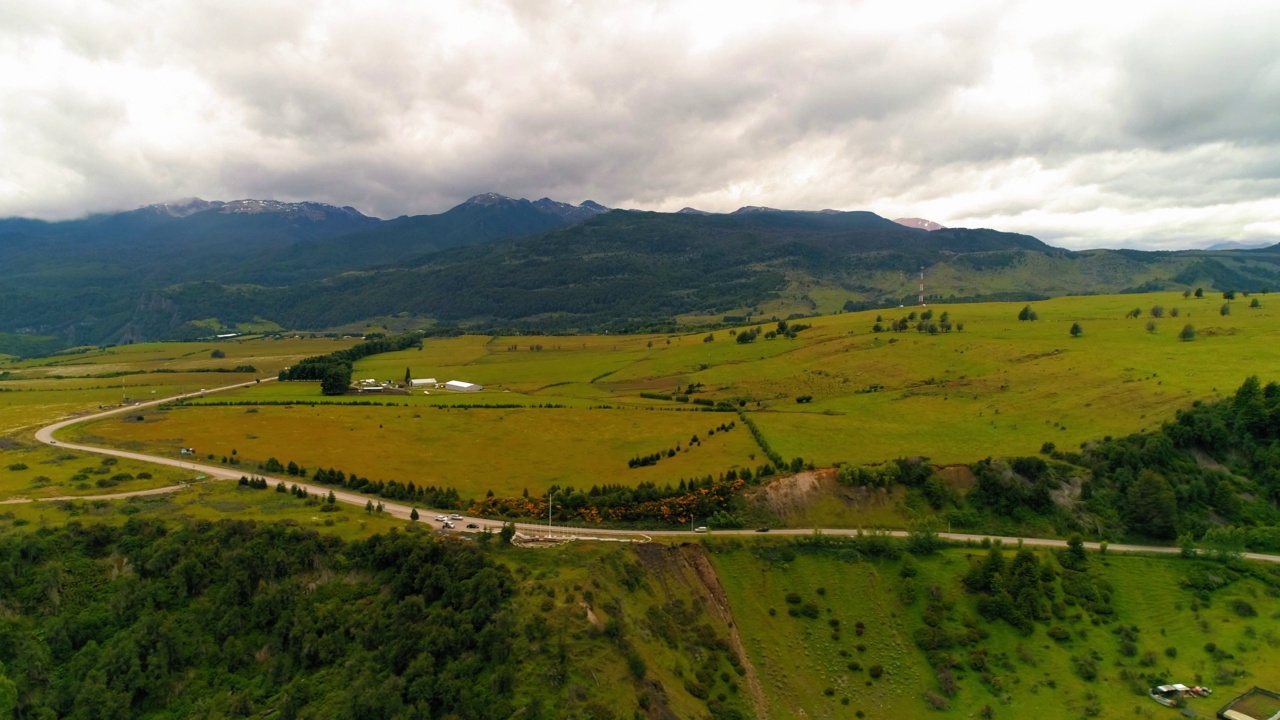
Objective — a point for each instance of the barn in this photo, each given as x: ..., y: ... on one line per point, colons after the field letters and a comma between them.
x: 424, y: 382
x: 460, y: 386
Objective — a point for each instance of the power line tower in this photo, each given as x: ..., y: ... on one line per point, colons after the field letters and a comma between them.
x: 921, y: 286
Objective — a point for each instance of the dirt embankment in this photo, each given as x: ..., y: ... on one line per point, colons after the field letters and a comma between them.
x: 792, y: 495
x: 689, y: 565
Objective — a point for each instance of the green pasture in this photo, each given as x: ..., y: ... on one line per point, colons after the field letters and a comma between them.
x: 474, y: 450
x: 37, y: 391
x: 204, y: 501
x: 34, y: 470
x: 800, y: 658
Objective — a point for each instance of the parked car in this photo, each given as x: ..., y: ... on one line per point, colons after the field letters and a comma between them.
x: 701, y: 529
x: 472, y: 526
x: 762, y: 529
x: 455, y: 516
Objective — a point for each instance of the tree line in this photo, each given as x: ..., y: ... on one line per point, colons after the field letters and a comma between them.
x: 333, y: 370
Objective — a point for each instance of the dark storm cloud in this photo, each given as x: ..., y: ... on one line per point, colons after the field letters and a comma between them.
x: 1094, y: 124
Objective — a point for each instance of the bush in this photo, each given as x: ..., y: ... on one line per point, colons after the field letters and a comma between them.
x: 1243, y: 608
x: 875, y: 671
x: 18, y: 466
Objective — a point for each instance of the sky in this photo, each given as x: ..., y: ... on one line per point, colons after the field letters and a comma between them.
x: 1087, y: 124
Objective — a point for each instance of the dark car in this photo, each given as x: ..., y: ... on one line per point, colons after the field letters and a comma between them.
x: 762, y: 529
x: 472, y: 526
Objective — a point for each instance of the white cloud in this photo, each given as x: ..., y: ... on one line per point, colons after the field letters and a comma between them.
x: 1137, y: 123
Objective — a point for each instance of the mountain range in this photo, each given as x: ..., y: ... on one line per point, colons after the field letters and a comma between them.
x: 170, y: 270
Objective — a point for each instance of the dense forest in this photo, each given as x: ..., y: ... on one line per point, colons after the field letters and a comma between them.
x: 236, y: 619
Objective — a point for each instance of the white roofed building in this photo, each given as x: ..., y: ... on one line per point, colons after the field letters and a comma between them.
x: 460, y: 386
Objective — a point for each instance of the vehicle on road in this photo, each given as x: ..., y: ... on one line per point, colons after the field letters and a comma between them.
x: 472, y: 526
x: 455, y: 516
x: 448, y: 525
x: 762, y: 529
x: 701, y: 529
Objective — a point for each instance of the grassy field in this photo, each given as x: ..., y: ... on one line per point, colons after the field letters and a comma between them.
x: 37, y: 391
x: 1000, y: 387
x: 477, y: 450
x: 34, y: 470
x: 802, y: 659
x: 202, y: 501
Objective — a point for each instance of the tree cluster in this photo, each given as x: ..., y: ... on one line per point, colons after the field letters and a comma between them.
x: 334, y: 370
x: 253, y: 620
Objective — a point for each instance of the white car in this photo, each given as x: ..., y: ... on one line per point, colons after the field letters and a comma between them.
x: 455, y: 516
x: 701, y: 529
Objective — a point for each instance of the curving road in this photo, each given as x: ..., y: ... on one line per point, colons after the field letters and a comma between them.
x: 528, y: 530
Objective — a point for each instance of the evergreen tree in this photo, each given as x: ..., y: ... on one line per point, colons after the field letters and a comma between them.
x: 332, y: 498
x: 408, y: 377
x: 1076, y: 330
x: 1152, y: 506
x: 413, y: 514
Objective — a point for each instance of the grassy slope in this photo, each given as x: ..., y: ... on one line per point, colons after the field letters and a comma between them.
x: 800, y: 660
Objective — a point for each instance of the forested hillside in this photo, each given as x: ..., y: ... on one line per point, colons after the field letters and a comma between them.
x: 497, y: 263
x: 237, y: 619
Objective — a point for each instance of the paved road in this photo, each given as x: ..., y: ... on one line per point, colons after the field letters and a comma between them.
x: 427, y: 515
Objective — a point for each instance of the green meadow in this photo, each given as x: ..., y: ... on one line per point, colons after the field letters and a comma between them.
x: 202, y: 501
x: 820, y: 667
x: 37, y: 391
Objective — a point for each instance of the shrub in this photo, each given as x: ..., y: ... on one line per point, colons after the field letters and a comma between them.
x: 1243, y: 608
x: 793, y: 598
x: 1171, y: 652
x: 18, y: 466
x: 1086, y: 667
x: 875, y: 671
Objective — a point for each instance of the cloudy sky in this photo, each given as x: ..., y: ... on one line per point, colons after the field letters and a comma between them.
x: 1117, y: 123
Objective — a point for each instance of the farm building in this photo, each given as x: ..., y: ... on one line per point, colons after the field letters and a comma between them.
x: 425, y: 382
x: 1257, y: 704
x: 460, y: 386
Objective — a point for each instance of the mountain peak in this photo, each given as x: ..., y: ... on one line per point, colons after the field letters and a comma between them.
x: 183, y: 207
x: 489, y: 198
x: 691, y: 211
x: 919, y: 224
x: 754, y: 209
